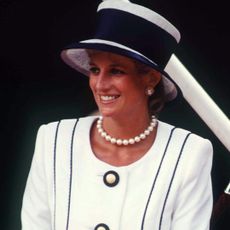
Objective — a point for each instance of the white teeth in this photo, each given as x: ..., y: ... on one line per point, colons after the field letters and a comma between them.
x: 107, y: 98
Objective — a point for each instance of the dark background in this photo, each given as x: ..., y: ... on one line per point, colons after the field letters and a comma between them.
x: 37, y: 87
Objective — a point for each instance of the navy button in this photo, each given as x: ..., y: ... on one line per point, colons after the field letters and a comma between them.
x: 101, y: 227
x: 111, y: 178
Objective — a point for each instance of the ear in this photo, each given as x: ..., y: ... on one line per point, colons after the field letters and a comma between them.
x: 153, y: 78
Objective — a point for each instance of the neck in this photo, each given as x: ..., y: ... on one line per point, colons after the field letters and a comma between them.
x: 126, y: 127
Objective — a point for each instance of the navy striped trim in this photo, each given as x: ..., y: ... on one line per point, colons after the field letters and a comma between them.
x: 154, y: 182
x: 54, y: 171
x: 71, y: 170
x: 173, y: 175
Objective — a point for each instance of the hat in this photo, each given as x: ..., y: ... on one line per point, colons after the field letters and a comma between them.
x: 133, y: 31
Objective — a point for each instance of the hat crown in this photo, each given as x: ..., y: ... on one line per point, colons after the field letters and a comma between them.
x: 143, y: 12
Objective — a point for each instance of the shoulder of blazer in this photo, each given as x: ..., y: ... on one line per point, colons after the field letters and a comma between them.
x: 64, y: 122
x: 195, y: 149
x: 50, y: 139
x: 196, y: 154
x: 67, y: 123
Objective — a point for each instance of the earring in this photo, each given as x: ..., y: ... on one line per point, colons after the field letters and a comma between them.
x: 149, y: 91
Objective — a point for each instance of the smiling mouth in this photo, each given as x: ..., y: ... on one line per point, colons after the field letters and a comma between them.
x: 108, y: 98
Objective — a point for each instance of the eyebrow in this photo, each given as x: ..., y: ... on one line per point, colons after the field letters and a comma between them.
x: 111, y: 65
x: 117, y: 65
x: 91, y: 63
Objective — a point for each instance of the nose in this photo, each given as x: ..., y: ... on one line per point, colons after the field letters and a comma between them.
x: 102, y: 82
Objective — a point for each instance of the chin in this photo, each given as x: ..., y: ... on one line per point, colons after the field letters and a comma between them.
x: 107, y: 112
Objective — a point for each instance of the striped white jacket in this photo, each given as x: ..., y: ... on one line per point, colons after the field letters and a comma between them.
x: 169, y: 188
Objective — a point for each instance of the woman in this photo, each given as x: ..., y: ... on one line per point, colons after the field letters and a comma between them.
x: 123, y: 169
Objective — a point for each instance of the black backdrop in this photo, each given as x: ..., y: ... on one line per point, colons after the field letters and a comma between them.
x: 36, y: 87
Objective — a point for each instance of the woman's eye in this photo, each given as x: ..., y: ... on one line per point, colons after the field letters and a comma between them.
x: 94, y: 70
x: 116, y: 71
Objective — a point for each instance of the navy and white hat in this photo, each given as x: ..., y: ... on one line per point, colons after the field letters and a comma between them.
x: 130, y: 30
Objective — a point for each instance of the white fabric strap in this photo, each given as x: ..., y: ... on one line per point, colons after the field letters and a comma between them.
x: 106, y: 42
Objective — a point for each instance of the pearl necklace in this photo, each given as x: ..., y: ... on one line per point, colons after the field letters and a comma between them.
x: 131, y: 141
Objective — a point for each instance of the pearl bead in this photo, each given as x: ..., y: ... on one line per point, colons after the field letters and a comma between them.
x: 131, y: 141
x: 150, y: 128
x: 108, y: 138
x: 137, y: 139
x: 142, y: 136
x: 147, y: 132
x: 119, y: 142
x: 125, y: 142
x: 100, y: 130
x: 103, y: 134
x: 113, y: 140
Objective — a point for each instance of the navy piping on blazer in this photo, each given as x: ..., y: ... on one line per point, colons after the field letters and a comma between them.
x: 71, y: 169
x: 172, y: 178
x: 54, y: 168
x: 70, y: 179
x: 146, y: 207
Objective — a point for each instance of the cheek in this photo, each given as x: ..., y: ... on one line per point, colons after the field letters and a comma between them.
x: 92, y: 83
x: 135, y: 92
x: 132, y: 85
x: 139, y: 87
x: 140, y: 91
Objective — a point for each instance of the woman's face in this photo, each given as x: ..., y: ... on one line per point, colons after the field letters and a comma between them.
x: 117, y: 87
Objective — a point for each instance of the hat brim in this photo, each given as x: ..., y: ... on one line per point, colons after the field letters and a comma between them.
x: 75, y: 55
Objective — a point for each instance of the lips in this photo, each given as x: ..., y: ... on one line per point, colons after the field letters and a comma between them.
x: 108, y: 98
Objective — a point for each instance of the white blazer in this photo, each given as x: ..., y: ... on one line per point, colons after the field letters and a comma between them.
x: 169, y: 188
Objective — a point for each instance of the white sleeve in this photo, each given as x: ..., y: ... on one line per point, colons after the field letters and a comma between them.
x: 35, y: 213
x: 194, y: 201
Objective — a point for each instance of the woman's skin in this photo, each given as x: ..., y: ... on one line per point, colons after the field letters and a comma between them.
x: 119, y: 92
